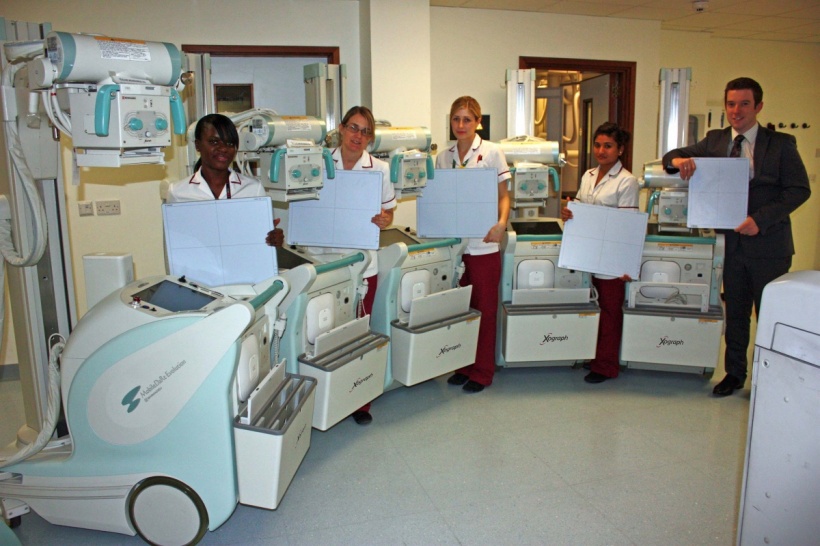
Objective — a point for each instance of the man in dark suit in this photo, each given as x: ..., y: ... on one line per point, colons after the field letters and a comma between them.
x: 760, y: 249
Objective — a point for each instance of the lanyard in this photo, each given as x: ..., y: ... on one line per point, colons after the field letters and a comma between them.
x: 227, y: 185
x: 464, y: 163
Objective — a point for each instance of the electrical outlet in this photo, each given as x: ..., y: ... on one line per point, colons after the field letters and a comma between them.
x: 108, y: 208
x: 86, y: 208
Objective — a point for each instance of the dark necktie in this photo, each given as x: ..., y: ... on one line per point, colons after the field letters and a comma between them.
x: 737, y: 147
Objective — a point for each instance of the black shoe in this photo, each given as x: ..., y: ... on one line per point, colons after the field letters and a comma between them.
x: 729, y: 385
x: 457, y: 379
x: 362, y: 417
x: 472, y: 386
x: 595, y: 377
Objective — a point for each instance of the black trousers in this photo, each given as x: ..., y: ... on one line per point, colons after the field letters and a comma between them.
x: 743, y: 282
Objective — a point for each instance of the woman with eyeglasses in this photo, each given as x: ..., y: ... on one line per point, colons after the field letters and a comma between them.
x: 356, y: 131
x: 216, y: 140
x: 482, y: 258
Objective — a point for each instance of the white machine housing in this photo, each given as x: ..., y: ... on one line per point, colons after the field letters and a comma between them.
x: 427, y: 316
x: 670, y: 196
x: 673, y: 316
x: 547, y: 316
x: 155, y: 377
x: 116, y: 97
x: 532, y: 163
x: 296, y: 172
x: 406, y: 149
x: 782, y: 467
x: 324, y: 339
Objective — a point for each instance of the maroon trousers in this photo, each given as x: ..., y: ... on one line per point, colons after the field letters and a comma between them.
x: 611, y: 299
x: 484, y: 274
x: 369, y: 298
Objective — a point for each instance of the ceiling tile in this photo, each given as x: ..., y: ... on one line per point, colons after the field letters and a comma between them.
x: 767, y: 7
x: 575, y: 7
x: 709, y: 20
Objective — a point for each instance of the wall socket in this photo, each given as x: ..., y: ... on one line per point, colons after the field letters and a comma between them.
x: 86, y: 208
x: 110, y: 207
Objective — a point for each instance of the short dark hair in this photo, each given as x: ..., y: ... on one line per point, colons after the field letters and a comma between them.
x: 223, y: 126
x: 613, y: 131
x: 744, y: 83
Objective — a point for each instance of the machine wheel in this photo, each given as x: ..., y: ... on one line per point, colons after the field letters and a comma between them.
x: 166, y: 512
x: 15, y: 522
x: 708, y: 373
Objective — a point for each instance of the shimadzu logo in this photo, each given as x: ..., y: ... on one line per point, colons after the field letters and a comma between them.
x: 666, y: 341
x: 549, y: 338
x: 447, y: 348
x: 133, y: 398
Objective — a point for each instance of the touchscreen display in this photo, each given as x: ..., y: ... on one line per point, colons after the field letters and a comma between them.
x: 174, y: 297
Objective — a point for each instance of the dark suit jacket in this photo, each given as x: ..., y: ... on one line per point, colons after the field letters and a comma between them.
x: 780, y: 185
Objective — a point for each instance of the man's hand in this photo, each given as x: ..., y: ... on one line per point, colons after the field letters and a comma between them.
x: 686, y: 166
x: 748, y: 227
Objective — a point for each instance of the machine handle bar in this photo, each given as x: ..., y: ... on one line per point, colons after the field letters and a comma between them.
x: 338, y: 264
x: 434, y: 244
x: 266, y: 295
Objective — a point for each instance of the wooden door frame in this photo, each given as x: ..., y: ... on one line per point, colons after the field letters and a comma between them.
x: 331, y: 53
x: 622, y: 85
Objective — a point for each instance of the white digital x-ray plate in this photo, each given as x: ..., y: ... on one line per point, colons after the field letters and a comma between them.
x: 220, y: 242
x: 341, y: 217
x: 458, y: 203
x: 718, y: 193
x: 603, y: 240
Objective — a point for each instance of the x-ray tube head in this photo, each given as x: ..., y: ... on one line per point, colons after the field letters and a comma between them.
x: 387, y: 139
x: 85, y: 58
x: 268, y: 130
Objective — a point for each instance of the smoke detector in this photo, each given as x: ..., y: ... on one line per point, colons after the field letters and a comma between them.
x: 700, y: 5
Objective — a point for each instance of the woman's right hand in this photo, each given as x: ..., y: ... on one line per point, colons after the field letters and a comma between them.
x: 566, y: 213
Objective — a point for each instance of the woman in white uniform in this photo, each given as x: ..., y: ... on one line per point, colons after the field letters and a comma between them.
x: 216, y: 140
x: 482, y: 258
x: 608, y: 185
x: 356, y: 131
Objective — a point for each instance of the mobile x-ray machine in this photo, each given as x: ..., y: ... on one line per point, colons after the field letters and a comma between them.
x: 419, y: 304
x: 548, y: 314
x: 174, y: 413
x: 673, y: 316
x: 326, y: 341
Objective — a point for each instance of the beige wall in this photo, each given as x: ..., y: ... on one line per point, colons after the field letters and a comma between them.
x: 791, y: 92
x: 412, y: 82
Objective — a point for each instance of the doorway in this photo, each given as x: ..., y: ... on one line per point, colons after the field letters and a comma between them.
x: 587, y: 92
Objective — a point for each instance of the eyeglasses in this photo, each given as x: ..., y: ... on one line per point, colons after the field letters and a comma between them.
x: 214, y: 142
x: 356, y: 129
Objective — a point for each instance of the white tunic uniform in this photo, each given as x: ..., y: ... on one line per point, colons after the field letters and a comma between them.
x: 482, y: 155
x: 197, y: 189
x: 618, y: 188
x: 365, y: 163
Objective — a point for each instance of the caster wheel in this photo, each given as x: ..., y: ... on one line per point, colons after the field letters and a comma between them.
x: 15, y: 522
x: 166, y: 512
